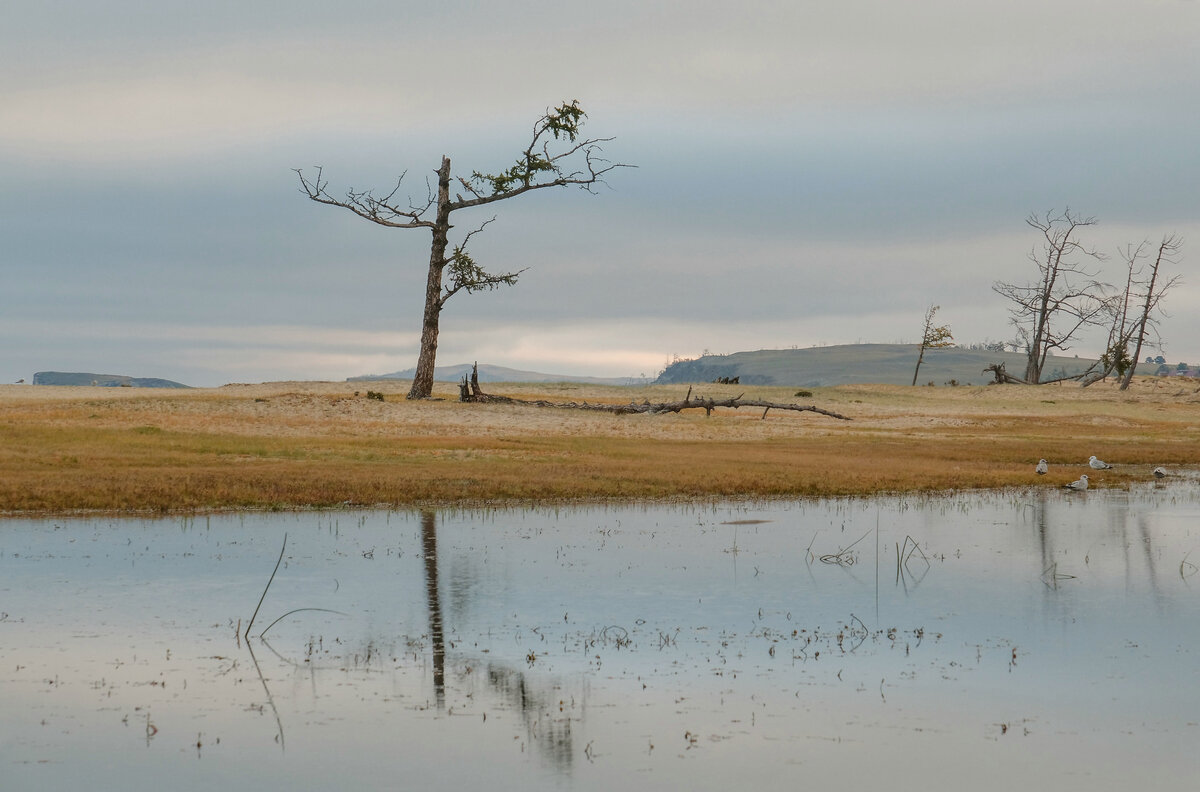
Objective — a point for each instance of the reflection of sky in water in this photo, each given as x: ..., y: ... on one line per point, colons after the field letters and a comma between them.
x: 1034, y: 637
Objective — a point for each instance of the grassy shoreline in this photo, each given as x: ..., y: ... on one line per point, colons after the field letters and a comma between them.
x: 321, y: 445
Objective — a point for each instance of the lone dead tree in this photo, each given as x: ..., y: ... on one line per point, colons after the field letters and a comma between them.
x: 932, y: 338
x: 557, y: 156
x: 1066, y: 296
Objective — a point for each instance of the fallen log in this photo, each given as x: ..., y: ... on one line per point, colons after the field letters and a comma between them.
x: 1004, y: 378
x: 470, y: 391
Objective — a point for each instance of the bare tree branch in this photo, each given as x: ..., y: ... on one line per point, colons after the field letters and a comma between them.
x: 365, y: 204
x: 465, y: 275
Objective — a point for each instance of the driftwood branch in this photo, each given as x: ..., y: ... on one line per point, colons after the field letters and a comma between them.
x: 1063, y: 379
x: 469, y: 391
x: 1004, y: 378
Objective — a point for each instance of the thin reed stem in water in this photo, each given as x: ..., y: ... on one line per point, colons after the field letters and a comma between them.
x: 264, y: 594
x: 297, y: 610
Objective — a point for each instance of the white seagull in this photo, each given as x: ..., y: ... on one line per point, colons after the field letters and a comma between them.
x: 1041, y: 468
x: 1097, y: 464
x: 1081, y: 484
x: 1160, y: 472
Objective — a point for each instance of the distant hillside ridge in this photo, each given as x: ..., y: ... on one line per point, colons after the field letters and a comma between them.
x: 846, y: 364
x: 103, y: 380
x: 490, y: 373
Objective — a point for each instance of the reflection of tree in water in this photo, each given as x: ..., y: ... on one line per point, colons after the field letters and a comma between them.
x: 548, y: 728
x: 540, y: 706
x: 1134, y: 536
x: 436, y: 634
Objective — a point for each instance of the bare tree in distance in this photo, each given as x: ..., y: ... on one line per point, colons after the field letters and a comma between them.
x: 557, y: 156
x: 1131, y: 312
x: 1066, y: 296
x: 1115, y: 357
x: 932, y: 338
x: 1168, y: 253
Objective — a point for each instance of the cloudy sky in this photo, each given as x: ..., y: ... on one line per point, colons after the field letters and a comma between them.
x: 807, y: 173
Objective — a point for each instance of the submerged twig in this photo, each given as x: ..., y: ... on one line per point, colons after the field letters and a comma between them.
x: 1051, y: 576
x: 264, y: 594
x: 843, y: 557
x: 267, y: 690
x: 854, y: 618
x: 904, y: 554
x: 861, y: 633
x: 298, y: 610
x: 809, y: 556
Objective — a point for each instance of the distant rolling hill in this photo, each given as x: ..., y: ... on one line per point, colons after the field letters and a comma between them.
x: 490, y: 373
x: 888, y: 364
x: 106, y: 380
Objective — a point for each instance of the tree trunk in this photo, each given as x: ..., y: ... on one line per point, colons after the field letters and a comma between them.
x: 1038, y: 346
x: 1143, y: 319
x: 1033, y: 368
x: 1128, y: 378
x: 422, y: 386
x: 920, y: 357
x: 1034, y: 359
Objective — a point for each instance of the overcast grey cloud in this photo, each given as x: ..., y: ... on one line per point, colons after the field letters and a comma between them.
x: 808, y: 173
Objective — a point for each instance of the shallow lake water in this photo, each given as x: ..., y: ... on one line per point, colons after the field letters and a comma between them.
x: 987, y: 641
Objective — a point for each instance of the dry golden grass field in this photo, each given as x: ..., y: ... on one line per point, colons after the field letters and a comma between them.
x: 314, y: 444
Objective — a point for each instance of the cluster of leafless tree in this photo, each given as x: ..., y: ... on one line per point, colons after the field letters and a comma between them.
x: 1067, y: 297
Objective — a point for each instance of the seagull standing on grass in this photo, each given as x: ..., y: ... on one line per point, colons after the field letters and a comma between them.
x: 1041, y: 468
x: 1097, y: 464
x: 1080, y: 484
